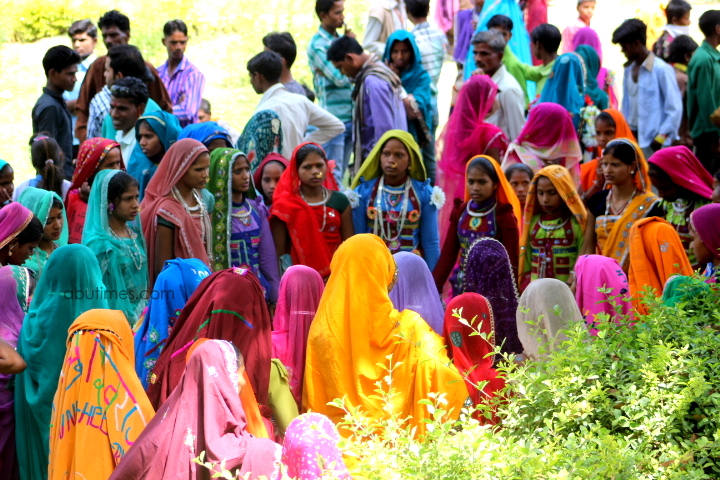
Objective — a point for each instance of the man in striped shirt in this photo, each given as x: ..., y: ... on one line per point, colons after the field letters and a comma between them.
x: 431, y: 41
x: 184, y: 81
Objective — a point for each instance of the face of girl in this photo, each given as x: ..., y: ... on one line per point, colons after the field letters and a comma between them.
x: 241, y: 175
x: 112, y: 160
x: 703, y: 255
x: 548, y: 197
x: 312, y: 170
x: 217, y: 143
x: 520, y: 182
x: 480, y: 185
x: 127, y: 206
x: 604, y: 132
x: 150, y: 143
x: 271, y: 176
x: 21, y: 252
x: 667, y: 189
x: 394, y: 160
x: 7, y: 180
x: 53, y: 225
x: 198, y: 173
x: 615, y: 171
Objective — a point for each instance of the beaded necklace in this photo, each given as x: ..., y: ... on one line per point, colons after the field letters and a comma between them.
x: 205, y: 227
x: 322, y: 202
x: 134, y: 251
x: 379, y: 226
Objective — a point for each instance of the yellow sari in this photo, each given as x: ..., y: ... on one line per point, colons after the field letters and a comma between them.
x: 356, y: 328
x: 100, y: 406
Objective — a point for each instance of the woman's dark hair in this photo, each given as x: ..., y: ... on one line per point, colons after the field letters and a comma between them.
x: 484, y: 165
x: 607, y: 118
x: 120, y: 183
x: 32, y: 233
x: 676, y: 9
x: 518, y: 167
x: 659, y: 173
x: 717, y: 176
x: 48, y: 159
x: 306, y: 150
x: 622, y: 151
x: 57, y: 204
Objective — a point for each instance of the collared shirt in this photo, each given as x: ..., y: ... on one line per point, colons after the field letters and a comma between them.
x: 127, y: 142
x: 703, y: 89
x: 432, y: 44
x: 75, y: 92
x: 296, y: 113
x: 186, y: 87
x: 333, y: 89
x: 99, y: 108
x: 50, y: 115
x: 383, y: 110
x: 510, y: 117
x: 659, y: 104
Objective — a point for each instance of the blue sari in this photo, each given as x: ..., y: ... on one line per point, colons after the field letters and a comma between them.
x: 566, y: 85
x: 206, y: 132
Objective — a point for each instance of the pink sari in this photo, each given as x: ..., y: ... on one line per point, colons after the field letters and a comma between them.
x: 311, y: 450
x: 300, y: 290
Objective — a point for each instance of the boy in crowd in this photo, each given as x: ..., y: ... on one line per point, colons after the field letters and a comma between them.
x: 586, y: 10
x: 678, y: 23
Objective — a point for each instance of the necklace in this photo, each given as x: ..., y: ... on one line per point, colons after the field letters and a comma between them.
x: 608, y: 207
x: 134, y: 251
x: 477, y: 217
x: 379, y: 226
x: 242, y: 214
x: 550, y: 228
x: 201, y: 214
x: 317, y: 204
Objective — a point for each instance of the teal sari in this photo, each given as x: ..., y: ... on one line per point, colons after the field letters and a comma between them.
x: 71, y: 285
x: 123, y: 261
x: 40, y: 202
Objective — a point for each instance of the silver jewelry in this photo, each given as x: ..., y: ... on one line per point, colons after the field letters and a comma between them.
x: 484, y: 213
x: 550, y: 228
x: 134, y: 251
x: 198, y: 211
x: 379, y: 226
x: 322, y: 202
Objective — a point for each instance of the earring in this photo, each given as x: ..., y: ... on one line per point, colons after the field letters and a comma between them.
x: 10, y: 252
x: 111, y: 207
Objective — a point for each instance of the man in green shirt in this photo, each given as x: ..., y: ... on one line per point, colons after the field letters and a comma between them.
x: 703, y: 92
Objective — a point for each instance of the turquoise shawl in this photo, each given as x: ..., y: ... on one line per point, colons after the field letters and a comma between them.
x: 39, y: 201
x: 592, y: 67
x: 123, y: 261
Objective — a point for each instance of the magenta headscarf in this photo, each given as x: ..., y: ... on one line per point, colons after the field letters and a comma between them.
x: 594, y: 272
x: 415, y: 290
x: 13, y: 220
x: 588, y: 36
x: 684, y: 169
x: 311, y: 448
x: 203, y: 414
x: 706, y: 223
x: 300, y: 290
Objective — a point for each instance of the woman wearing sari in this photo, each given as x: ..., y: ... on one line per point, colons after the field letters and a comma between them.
x: 99, y: 354
x: 49, y: 209
x: 546, y: 308
x: 176, y: 222
x: 605, y: 78
x: 356, y: 327
x: 468, y: 135
x: 95, y: 154
x: 155, y: 133
x: 547, y: 138
x: 684, y: 185
x: 179, y: 278
x: 601, y: 290
x: 73, y: 269
x: 415, y: 290
x: 613, y: 211
x: 300, y: 290
x: 228, y: 305
x: 591, y: 61
x: 209, y: 134
x: 261, y: 136
x: 203, y: 414
x: 113, y: 233
x: 705, y: 232
x: 310, y: 450
x: 241, y: 231
x: 656, y: 254
x: 487, y: 271
x: 268, y: 174
x: 566, y: 86
x: 20, y: 233
x: 309, y: 218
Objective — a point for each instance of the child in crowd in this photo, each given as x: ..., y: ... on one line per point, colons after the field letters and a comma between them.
x: 681, y: 51
x: 519, y: 176
x: 48, y: 160
x: 678, y: 23
x: 7, y: 183
x: 586, y: 10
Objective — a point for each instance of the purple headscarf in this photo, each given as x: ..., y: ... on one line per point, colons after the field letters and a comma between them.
x: 415, y: 290
x: 488, y: 272
x: 588, y: 36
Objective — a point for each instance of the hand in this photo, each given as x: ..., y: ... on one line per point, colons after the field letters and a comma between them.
x: 478, y: 71
x: 572, y: 282
x: 4, y: 196
x: 85, y: 191
x: 393, y: 67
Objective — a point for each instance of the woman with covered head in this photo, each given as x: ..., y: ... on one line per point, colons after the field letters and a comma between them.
x: 20, y: 233
x: 267, y: 175
x: 356, y: 328
x: 566, y: 86
x: 203, y: 414
x: 261, y: 136
x: 605, y: 78
x: 209, y: 134
x: 415, y: 290
x: 396, y: 201
x: 50, y: 210
x: 601, y: 290
x: 95, y: 155
x: 705, y: 233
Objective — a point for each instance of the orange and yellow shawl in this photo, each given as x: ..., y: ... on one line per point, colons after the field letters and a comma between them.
x: 656, y: 254
x: 100, y: 407
x: 356, y: 328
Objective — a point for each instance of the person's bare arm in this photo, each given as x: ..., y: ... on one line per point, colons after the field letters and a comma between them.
x: 346, y: 224
x: 494, y: 152
x: 280, y: 236
x: 10, y: 361
x: 164, y: 247
x: 590, y: 241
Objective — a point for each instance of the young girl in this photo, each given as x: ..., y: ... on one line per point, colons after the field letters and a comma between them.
x: 155, y: 133
x: 396, y: 200
x: 20, y: 232
x: 491, y: 209
x: 177, y: 222
x: 113, y: 233
x: 49, y: 209
x: 48, y: 160
x: 684, y: 185
x: 95, y: 154
x: 7, y: 183
x: 553, y: 227
x: 613, y: 211
x: 241, y: 231
x: 307, y: 218
x: 520, y: 176
x: 268, y: 175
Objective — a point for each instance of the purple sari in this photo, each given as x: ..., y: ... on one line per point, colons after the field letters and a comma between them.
x: 415, y: 290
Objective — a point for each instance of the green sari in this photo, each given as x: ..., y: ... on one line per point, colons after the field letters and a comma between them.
x: 123, y: 261
x: 40, y: 202
x: 71, y: 285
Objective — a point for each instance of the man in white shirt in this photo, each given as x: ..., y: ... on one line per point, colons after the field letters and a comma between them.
x: 129, y: 96
x: 296, y: 112
x: 488, y: 48
x: 384, y: 18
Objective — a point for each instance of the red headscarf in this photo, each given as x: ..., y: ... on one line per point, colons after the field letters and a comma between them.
x: 684, y: 169
x: 227, y: 305
x: 159, y: 202
x: 308, y: 245
x: 471, y: 354
x: 270, y: 157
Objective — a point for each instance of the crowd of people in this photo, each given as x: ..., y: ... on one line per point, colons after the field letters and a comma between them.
x: 172, y: 287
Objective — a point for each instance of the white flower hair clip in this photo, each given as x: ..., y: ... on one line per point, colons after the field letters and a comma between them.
x: 437, y: 197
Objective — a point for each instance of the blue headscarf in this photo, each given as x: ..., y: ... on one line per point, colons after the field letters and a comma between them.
x: 416, y: 81
x: 3, y: 163
x: 167, y: 127
x: 591, y: 59
x: 205, y: 133
x: 566, y: 85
